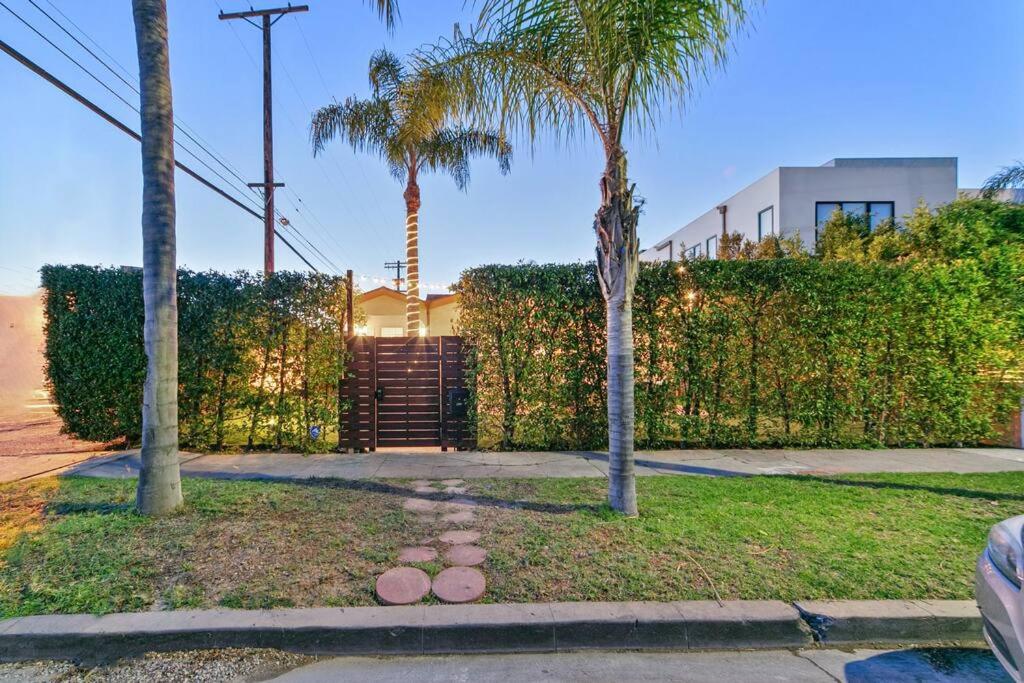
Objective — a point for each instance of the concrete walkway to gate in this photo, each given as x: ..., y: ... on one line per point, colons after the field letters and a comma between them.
x: 475, y: 465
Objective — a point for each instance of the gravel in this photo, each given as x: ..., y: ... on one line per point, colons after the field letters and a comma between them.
x: 202, y: 666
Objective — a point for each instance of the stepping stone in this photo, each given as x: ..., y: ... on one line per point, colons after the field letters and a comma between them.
x: 418, y: 554
x: 426, y: 519
x: 465, y: 555
x: 463, y: 537
x: 421, y: 482
x: 419, y: 505
x: 425, y: 489
x: 455, y: 490
x: 464, y: 517
x: 453, y: 482
x: 402, y: 586
x: 459, y: 584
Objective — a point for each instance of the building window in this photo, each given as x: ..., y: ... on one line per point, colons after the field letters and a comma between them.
x: 765, y: 223
x: 873, y: 212
x: 693, y: 252
x: 392, y: 331
x: 712, y: 247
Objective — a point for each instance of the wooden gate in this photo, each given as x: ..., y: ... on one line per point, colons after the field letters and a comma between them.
x: 405, y: 392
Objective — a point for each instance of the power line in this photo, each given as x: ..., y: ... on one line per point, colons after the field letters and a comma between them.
x: 202, y: 145
x: 102, y: 83
x: 344, y: 177
x: 109, y: 118
x: 182, y: 128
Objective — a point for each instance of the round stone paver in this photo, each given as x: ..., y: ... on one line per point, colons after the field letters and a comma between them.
x: 459, y: 584
x: 419, y: 505
x: 422, y: 482
x: 418, y: 554
x: 465, y: 555
x: 463, y: 537
x: 464, y: 517
x: 425, y: 489
x: 402, y: 586
x: 453, y: 482
x: 455, y: 490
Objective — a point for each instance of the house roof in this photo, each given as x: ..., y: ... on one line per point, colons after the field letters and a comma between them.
x: 431, y: 300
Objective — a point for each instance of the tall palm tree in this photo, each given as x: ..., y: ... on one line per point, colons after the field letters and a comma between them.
x: 159, y: 488
x: 406, y: 122
x: 596, y: 66
x: 1008, y: 177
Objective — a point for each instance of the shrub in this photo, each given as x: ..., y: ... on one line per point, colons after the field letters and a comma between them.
x: 782, y: 351
x: 259, y: 359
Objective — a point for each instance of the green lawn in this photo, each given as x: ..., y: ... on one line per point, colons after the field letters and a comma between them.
x: 74, y: 545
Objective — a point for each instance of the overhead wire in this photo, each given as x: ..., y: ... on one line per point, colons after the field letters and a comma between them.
x: 182, y: 127
x: 109, y: 118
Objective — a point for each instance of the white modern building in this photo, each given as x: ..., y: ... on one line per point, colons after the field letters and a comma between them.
x: 796, y: 199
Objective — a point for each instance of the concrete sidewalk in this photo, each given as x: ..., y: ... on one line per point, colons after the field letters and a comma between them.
x: 475, y: 465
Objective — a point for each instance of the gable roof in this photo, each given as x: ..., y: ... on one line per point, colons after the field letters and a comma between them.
x: 431, y: 300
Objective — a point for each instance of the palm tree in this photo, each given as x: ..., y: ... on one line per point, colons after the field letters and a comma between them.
x: 405, y: 122
x: 159, y: 488
x: 598, y: 66
x: 1008, y: 177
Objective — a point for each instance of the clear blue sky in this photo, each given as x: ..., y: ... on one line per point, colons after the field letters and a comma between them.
x: 811, y: 80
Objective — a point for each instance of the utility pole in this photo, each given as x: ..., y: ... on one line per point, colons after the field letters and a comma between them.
x: 268, y: 183
x: 398, y: 266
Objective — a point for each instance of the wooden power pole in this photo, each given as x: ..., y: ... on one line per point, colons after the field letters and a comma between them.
x: 269, y: 18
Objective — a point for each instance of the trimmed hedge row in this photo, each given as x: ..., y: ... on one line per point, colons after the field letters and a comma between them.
x: 259, y: 360
x: 773, y: 352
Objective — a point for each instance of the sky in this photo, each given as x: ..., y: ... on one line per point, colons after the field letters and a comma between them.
x: 807, y: 81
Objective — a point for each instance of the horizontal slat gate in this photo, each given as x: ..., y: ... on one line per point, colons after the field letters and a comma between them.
x: 455, y: 429
x: 398, y: 392
x: 359, y: 427
x: 409, y: 391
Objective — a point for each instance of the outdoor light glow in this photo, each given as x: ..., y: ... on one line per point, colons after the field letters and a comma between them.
x: 423, y: 331
x: 691, y: 295
x: 362, y: 330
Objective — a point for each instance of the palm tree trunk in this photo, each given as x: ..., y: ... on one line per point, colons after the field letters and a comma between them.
x: 159, y: 488
x: 617, y: 264
x: 412, y: 253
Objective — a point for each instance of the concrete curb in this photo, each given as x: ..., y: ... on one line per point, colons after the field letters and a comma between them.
x: 448, y: 629
x: 860, y: 622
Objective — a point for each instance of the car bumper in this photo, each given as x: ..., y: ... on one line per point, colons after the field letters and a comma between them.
x: 1000, y: 604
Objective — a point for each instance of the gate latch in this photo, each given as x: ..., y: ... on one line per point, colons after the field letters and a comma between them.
x: 379, y: 394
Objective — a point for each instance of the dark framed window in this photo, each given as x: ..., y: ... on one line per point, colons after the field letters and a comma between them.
x: 765, y: 223
x: 711, y: 247
x: 693, y: 252
x: 874, y: 212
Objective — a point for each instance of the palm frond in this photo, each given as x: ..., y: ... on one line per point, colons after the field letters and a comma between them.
x: 387, y: 11
x: 450, y: 150
x: 1008, y: 177
x: 367, y: 125
x: 556, y: 64
x: 387, y: 73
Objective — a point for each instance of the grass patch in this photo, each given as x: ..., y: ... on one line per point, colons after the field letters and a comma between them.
x: 75, y: 545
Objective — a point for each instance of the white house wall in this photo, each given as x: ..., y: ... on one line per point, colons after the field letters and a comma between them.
x: 904, y: 184
x: 793, y: 192
x: 741, y: 216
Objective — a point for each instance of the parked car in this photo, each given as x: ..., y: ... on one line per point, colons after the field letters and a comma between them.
x: 997, y: 584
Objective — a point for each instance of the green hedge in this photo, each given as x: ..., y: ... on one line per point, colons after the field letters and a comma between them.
x: 259, y: 359
x: 772, y: 352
